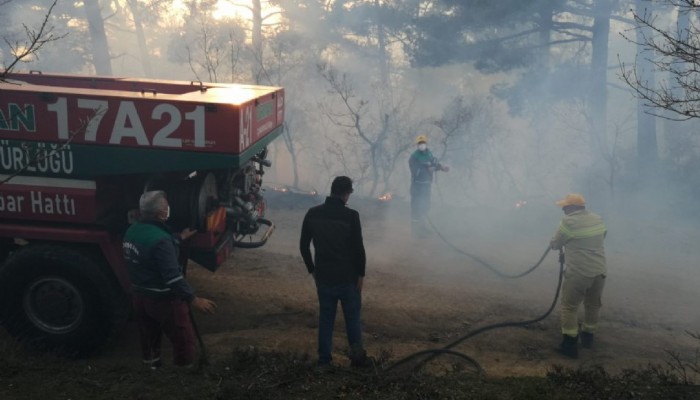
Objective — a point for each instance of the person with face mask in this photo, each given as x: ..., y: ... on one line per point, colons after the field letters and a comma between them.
x: 161, y: 294
x: 423, y: 165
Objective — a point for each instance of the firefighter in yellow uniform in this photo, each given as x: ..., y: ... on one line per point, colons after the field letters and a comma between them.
x: 581, y: 233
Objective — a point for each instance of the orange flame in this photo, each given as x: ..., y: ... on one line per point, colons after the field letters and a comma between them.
x: 385, y: 197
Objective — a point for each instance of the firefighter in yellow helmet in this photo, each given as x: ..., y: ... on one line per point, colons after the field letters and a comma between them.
x: 423, y: 165
x: 581, y: 233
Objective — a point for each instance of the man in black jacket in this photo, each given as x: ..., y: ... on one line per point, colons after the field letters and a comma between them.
x: 338, y: 268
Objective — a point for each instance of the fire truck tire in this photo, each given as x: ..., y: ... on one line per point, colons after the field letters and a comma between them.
x: 55, y: 298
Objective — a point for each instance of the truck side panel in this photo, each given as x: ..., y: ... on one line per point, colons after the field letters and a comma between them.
x: 43, y: 199
x: 190, y: 122
x: 89, y: 161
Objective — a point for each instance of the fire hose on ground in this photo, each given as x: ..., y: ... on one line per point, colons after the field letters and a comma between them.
x: 433, y: 353
x: 447, y: 349
x: 484, y: 263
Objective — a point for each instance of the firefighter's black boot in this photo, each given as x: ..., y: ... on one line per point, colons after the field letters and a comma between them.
x: 569, y: 346
x: 586, y: 340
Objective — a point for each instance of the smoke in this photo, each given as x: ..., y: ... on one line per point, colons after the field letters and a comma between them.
x: 511, y: 160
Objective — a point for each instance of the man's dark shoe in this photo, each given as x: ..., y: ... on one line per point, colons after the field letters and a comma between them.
x: 153, y: 364
x: 569, y: 346
x: 586, y: 340
x: 323, y: 368
x: 361, y: 360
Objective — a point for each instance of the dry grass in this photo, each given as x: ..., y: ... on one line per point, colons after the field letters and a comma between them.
x: 250, y: 374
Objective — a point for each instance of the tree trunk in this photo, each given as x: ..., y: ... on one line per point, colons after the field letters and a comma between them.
x: 289, y: 144
x: 98, y: 38
x: 545, y: 34
x: 599, y: 75
x: 257, y: 62
x: 671, y: 128
x: 647, y: 147
x: 141, y: 38
x: 381, y: 44
x: 543, y: 65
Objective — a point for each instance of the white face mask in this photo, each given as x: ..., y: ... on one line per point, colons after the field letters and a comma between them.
x: 422, y: 147
x: 167, y: 213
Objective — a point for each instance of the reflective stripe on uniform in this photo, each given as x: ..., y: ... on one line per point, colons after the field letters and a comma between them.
x: 572, y: 332
x: 157, y: 290
x: 590, y: 328
x: 170, y: 282
x: 595, y: 230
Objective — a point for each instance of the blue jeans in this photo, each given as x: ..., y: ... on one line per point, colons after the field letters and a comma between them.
x: 351, y: 302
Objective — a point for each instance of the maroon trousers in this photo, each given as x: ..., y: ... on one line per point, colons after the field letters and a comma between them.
x: 171, y: 317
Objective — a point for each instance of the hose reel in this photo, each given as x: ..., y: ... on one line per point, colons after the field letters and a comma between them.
x: 190, y: 199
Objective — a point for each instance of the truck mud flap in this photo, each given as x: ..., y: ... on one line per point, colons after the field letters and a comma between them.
x: 212, y: 258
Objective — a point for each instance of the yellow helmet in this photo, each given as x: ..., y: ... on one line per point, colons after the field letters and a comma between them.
x: 421, y: 139
x: 572, y: 199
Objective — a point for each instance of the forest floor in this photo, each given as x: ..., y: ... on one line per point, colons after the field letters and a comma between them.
x: 419, y: 294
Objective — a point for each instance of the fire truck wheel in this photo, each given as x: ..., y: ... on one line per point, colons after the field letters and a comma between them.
x: 55, y: 298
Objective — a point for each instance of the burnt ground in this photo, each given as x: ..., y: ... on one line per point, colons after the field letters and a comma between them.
x: 419, y: 294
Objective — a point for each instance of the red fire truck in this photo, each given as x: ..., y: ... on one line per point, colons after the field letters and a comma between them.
x: 76, y: 152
